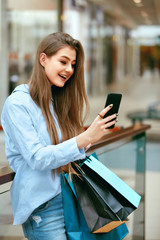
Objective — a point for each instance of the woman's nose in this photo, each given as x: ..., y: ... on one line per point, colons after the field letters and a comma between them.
x: 69, y: 68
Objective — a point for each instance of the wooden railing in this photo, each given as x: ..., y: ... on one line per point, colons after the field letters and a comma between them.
x: 123, y: 133
x: 7, y: 175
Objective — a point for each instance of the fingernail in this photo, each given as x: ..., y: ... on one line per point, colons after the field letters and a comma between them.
x: 111, y: 105
x: 116, y: 120
x: 116, y: 114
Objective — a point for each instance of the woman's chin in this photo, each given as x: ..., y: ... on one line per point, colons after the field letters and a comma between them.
x: 59, y: 84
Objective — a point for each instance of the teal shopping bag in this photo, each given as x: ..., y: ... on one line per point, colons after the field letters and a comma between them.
x: 113, y: 180
x: 75, y: 223
x: 110, y: 199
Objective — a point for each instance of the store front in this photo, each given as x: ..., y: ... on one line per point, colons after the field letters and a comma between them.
x: 28, y: 23
x: 22, y: 26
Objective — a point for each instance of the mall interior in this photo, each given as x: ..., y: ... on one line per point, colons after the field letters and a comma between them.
x: 121, y: 41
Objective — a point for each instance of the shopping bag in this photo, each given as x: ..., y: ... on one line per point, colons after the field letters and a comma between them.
x: 110, y: 199
x: 75, y: 223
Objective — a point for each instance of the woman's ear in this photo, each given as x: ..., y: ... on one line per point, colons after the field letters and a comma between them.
x: 42, y: 59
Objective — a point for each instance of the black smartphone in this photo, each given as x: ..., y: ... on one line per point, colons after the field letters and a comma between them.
x: 115, y: 99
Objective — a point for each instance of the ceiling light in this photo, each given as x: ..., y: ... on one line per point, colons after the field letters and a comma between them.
x: 137, y: 1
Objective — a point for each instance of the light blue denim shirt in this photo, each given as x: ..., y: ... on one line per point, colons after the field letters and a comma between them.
x: 31, y: 154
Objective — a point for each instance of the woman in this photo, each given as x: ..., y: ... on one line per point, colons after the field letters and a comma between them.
x: 43, y: 125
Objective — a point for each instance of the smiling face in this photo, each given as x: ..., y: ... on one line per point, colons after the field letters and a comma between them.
x: 60, y: 66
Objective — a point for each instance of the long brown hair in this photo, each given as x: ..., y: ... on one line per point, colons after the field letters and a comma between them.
x: 68, y: 101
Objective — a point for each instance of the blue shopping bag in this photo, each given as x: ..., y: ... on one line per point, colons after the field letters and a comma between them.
x: 75, y: 223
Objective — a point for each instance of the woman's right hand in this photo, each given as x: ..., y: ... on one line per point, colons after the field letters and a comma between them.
x: 97, y: 129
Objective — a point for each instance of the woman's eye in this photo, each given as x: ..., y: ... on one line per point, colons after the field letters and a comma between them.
x: 63, y: 62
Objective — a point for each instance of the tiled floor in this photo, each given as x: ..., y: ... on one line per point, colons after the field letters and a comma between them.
x: 137, y: 95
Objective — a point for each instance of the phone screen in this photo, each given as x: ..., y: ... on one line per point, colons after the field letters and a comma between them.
x: 115, y: 99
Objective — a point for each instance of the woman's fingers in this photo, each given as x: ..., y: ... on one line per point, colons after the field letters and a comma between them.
x: 104, y: 111
x: 97, y: 129
x: 109, y: 124
x: 108, y: 119
x: 99, y: 126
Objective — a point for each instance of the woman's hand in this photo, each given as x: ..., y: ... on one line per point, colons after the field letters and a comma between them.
x: 97, y: 129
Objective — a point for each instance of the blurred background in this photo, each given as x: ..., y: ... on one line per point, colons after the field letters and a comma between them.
x: 121, y: 40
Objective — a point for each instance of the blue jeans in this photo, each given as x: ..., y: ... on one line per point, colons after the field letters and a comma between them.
x: 46, y: 222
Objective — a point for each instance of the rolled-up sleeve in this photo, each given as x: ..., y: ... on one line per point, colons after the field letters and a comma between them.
x: 19, y: 128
